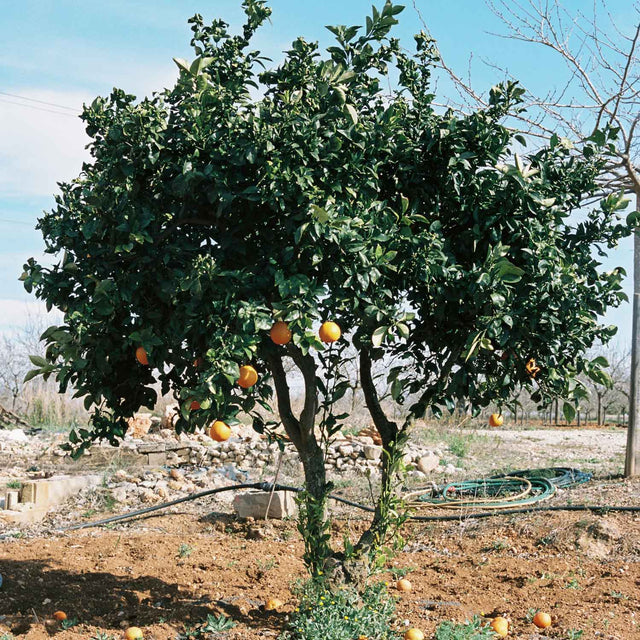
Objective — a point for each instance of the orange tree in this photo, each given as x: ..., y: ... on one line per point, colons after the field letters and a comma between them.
x: 243, y: 196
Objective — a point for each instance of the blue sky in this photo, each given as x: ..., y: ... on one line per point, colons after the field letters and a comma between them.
x: 61, y: 53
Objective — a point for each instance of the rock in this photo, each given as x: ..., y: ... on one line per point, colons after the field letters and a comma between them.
x: 120, y: 475
x: 253, y: 504
x: 372, y: 452
x: 176, y: 474
x: 139, y: 425
x: 428, y: 463
x: 450, y: 469
x: 170, y: 416
x: 119, y: 494
x: 605, y: 529
x: 14, y: 435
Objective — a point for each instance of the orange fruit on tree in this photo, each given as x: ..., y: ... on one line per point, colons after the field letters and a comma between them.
x: 141, y: 356
x: 531, y: 368
x: 495, y: 420
x: 219, y: 431
x: 403, y: 585
x: 133, y: 633
x: 500, y: 626
x: 60, y: 616
x: 542, y: 620
x: 273, y: 604
x: 198, y: 362
x: 413, y: 634
x: 195, y: 405
x: 280, y: 333
x: 248, y: 376
x: 329, y: 332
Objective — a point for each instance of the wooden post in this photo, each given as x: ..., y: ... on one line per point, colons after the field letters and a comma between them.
x: 632, y: 459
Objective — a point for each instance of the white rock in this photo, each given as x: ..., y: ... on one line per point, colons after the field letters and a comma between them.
x: 428, y: 463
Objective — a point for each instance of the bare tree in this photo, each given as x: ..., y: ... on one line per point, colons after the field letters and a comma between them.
x: 600, y: 90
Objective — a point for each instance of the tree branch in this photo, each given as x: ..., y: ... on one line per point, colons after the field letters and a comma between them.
x: 388, y: 429
x: 290, y: 422
x: 307, y: 366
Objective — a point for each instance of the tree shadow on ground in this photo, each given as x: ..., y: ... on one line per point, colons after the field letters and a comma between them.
x: 105, y: 600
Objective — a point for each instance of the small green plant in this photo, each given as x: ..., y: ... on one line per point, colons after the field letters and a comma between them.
x: 400, y: 572
x: 474, y: 629
x: 265, y: 566
x: 459, y: 445
x: 14, y: 484
x: 343, y: 615
x: 618, y: 595
x: 498, y: 545
x: 213, y: 625
x: 574, y: 634
x: 69, y: 622
x: 531, y: 612
x: 102, y: 635
x: 184, y: 551
x: 6, y: 636
x: 573, y: 584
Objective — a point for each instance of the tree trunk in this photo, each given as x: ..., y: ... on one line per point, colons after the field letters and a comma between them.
x: 599, y: 415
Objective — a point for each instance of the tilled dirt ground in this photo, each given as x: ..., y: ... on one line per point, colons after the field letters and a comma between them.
x: 581, y: 568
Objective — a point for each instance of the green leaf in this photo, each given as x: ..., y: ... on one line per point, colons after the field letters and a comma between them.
x: 352, y: 113
x: 38, y: 361
x: 569, y: 412
x: 378, y: 336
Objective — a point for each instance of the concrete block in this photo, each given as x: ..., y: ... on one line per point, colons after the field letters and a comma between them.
x: 12, y: 499
x: 156, y: 459
x: 47, y: 493
x: 253, y: 504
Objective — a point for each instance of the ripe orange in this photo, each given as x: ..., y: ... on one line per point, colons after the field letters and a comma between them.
x: 219, y: 431
x: 198, y: 362
x: 403, y: 585
x: 195, y: 405
x: 542, y: 620
x: 500, y: 626
x: 60, y: 616
x: 248, y: 376
x: 141, y: 356
x: 531, y: 368
x: 133, y: 633
x: 413, y: 634
x: 495, y: 420
x: 280, y: 333
x: 329, y: 332
x: 273, y: 604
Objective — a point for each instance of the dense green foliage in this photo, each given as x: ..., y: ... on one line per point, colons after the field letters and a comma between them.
x: 206, y: 213
x: 341, y: 615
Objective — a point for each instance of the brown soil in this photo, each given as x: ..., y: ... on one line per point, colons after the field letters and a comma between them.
x: 581, y: 568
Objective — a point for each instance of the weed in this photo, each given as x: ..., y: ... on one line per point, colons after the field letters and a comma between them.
x: 459, y: 445
x: 212, y: 626
x: 531, y: 612
x: 573, y: 584
x: 184, y: 550
x: 574, y: 634
x: 101, y: 635
x: 69, y: 622
x: 14, y: 484
x: 498, y: 545
x: 618, y: 595
x: 6, y: 636
x: 89, y: 512
x: 474, y: 629
x: 400, y: 572
x: 265, y: 566
x: 342, y: 615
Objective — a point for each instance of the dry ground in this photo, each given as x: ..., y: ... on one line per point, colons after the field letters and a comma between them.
x: 581, y: 567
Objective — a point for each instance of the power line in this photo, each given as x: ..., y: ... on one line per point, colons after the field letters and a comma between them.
x: 49, y: 104
x: 31, y: 106
x: 28, y: 224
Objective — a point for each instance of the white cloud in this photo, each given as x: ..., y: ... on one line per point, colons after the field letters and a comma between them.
x: 17, y: 314
x: 39, y: 148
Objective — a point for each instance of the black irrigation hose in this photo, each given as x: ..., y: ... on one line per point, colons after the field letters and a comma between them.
x: 267, y: 486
